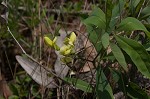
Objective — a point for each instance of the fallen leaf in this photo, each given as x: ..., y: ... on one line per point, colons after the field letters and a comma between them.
x: 37, y: 72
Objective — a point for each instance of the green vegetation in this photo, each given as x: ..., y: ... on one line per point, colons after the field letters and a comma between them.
x: 75, y: 49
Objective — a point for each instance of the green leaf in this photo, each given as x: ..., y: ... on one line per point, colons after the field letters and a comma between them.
x: 133, y: 4
x: 147, y: 46
x: 14, y: 89
x: 119, y: 55
x: 96, y: 25
x: 145, y: 12
x: 13, y: 97
x: 148, y: 49
x: 109, y: 7
x: 137, y: 53
x: 99, y: 13
x: 94, y: 36
x: 103, y: 88
x: 97, y: 18
x: 116, y: 12
x: 135, y: 92
x: 131, y: 24
x: 147, y: 26
x: 138, y: 7
x: 105, y: 40
x: 80, y: 84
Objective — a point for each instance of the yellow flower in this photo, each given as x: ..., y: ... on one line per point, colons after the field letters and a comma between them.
x: 51, y: 43
x: 71, y: 39
x: 66, y: 50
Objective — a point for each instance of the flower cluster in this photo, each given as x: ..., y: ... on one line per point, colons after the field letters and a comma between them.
x: 67, y: 49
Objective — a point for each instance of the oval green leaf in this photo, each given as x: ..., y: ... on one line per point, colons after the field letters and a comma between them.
x: 145, y: 13
x: 118, y: 55
x: 97, y: 18
x: 131, y: 24
x: 137, y: 53
x: 105, y: 40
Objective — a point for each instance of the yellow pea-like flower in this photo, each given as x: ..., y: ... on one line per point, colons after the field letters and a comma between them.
x: 51, y: 43
x: 65, y: 50
x: 48, y: 41
x: 71, y: 39
x: 54, y: 40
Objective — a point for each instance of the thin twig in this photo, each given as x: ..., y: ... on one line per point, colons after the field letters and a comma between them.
x: 16, y: 40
